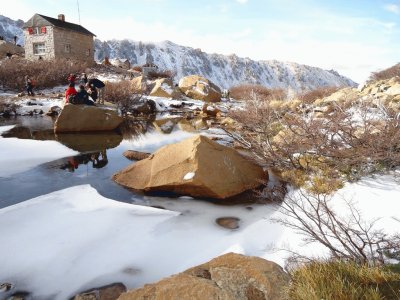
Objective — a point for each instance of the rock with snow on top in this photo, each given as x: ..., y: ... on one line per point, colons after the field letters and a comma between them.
x: 164, y: 88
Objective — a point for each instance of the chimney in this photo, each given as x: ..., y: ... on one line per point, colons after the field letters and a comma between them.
x: 61, y: 17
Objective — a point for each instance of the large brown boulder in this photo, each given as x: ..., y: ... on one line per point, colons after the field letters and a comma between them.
x: 200, y: 88
x: 109, y: 292
x: 197, y: 167
x: 164, y: 87
x: 228, y: 277
x: 84, y: 118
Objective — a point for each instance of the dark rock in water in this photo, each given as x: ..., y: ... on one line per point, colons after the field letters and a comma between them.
x: 136, y: 155
x: 109, y: 292
x: 20, y: 296
x: 5, y: 287
x: 228, y: 222
x: 146, y: 107
x: 54, y: 111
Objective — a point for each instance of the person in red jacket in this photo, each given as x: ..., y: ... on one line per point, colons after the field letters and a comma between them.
x: 70, y: 91
x: 71, y: 78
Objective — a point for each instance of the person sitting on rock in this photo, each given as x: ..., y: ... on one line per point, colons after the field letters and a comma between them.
x: 70, y: 92
x: 84, y: 79
x: 93, y: 92
x: 83, y: 96
x: 29, y: 85
x: 71, y: 78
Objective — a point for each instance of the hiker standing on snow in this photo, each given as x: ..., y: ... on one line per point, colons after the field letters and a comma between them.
x: 29, y: 86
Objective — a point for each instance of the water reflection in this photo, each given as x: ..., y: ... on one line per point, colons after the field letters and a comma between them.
x: 98, y: 160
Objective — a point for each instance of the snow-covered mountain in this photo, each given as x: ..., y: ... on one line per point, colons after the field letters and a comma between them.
x: 225, y: 71
x: 10, y: 28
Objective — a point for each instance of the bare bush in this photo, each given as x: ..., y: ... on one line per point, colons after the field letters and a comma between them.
x: 349, y: 141
x: 251, y: 91
x: 45, y: 73
x: 123, y: 94
x: 310, y: 96
x: 387, y: 73
x: 160, y: 74
x: 346, y: 237
x: 137, y: 68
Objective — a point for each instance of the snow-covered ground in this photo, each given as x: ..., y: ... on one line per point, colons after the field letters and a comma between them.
x: 70, y: 240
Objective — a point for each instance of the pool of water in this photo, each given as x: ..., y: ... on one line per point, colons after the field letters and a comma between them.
x: 100, y: 156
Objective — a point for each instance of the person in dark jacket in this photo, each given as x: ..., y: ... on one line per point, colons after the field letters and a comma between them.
x: 84, y: 79
x: 83, y: 96
x: 29, y: 86
x: 93, y: 92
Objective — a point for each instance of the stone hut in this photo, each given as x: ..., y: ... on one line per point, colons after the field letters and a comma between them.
x: 50, y: 38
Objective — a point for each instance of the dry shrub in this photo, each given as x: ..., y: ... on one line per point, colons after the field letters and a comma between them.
x: 123, y: 94
x: 310, y: 96
x: 387, y: 73
x: 137, y: 68
x: 250, y: 91
x: 343, y: 281
x: 160, y: 74
x: 323, y: 150
x: 45, y: 73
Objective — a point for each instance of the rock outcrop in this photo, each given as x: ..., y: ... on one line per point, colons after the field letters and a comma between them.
x: 85, y: 118
x: 164, y: 87
x: 197, y: 167
x: 228, y: 277
x: 200, y: 88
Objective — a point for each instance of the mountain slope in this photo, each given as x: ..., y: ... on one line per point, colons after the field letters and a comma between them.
x: 225, y: 71
x: 10, y: 28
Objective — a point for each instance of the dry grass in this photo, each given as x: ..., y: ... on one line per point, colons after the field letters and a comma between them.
x: 311, y: 96
x: 250, y: 91
x: 387, y: 73
x: 44, y: 73
x: 343, y: 281
x: 137, y: 68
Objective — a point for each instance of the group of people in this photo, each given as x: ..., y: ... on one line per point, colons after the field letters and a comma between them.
x: 86, y: 93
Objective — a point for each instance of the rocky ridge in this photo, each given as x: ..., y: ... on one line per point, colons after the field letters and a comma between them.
x: 224, y: 70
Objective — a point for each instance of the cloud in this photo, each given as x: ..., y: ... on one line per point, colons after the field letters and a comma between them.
x: 393, y: 8
x: 242, y: 1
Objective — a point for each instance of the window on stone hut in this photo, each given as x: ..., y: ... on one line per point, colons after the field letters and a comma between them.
x: 39, y: 48
x: 67, y: 48
x: 36, y: 30
x: 87, y: 52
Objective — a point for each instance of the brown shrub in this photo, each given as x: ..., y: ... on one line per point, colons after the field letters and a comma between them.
x: 44, y: 73
x: 137, y: 68
x: 251, y: 91
x: 160, y: 74
x: 310, y: 96
x: 386, y: 74
x: 123, y: 94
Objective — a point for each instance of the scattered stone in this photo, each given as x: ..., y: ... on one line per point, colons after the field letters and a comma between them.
x: 75, y: 118
x: 164, y: 87
x: 219, y: 171
x: 5, y: 287
x: 135, y: 155
x: 54, y: 111
x: 228, y: 277
x: 145, y: 107
x: 21, y: 95
x: 109, y: 292
x: 228, y: 222
x: 210, y: 110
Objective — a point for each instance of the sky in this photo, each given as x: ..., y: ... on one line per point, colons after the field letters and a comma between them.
x: 354, y: 37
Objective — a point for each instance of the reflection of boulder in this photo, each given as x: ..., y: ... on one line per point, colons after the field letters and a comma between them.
x: 197, y: 167
x: 166, y: 125
x: 87, y: 142
x: 75, y: 118
x: 230, y: 276
x: 200, y: 88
